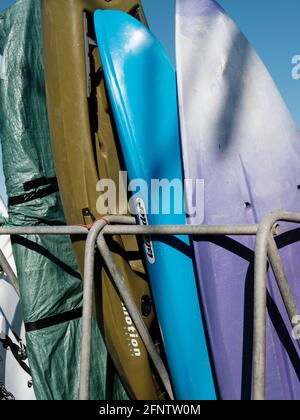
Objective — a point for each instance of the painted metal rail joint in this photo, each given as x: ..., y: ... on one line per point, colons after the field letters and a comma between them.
x: 265, y: 249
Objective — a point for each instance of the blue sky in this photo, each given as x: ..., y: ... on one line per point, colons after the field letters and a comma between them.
x: 272, y: 26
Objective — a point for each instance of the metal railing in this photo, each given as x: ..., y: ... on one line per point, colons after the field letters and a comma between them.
x: 265, y: 249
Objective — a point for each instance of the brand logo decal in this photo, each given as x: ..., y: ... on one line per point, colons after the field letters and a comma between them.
x: 143, y: 220
x: 132, y: 334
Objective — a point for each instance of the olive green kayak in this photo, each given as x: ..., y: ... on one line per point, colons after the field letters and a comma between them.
x: 84, y: 149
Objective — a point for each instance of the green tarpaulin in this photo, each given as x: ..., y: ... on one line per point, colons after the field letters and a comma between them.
x: 49, y: 280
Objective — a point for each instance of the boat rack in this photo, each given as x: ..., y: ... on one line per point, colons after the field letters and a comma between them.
x: 265, y: 250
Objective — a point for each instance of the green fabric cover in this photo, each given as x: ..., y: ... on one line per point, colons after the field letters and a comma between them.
x: 49, y: 279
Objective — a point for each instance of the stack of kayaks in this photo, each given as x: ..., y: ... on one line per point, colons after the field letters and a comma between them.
x: 14, y: 372
x: 242, y: 120
x: 112, y: 106
x: 238, y: 136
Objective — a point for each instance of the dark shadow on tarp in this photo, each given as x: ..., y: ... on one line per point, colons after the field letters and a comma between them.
x: 33, y: 246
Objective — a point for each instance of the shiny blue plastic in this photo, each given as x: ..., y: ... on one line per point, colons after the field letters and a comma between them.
x: 142, y: 88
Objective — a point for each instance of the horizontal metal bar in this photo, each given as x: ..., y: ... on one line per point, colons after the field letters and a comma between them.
x: 62, y: 230
x: 44, y: 230
x: 132, y: 229
x: 195, y: 230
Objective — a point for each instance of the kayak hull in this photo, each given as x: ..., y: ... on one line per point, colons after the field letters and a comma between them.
x: 84, y: 151
x: 239, y: 138
x: 142, y: 88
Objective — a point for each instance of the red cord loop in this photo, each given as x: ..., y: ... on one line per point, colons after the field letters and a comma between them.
x: 90, y: 225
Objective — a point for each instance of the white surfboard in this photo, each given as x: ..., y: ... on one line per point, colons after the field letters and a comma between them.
x: 15, y: 382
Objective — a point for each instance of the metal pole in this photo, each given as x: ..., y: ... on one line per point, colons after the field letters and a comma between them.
x: 132, y: 229
x: 88, y: 285
x: 260, y: 297
x: 260, y: 313
x: 44, y: 230
x: 9, y: 273
x: 233, y: 230
x: 128, y: 301
x: 282, y: 281
x: 134, y: 313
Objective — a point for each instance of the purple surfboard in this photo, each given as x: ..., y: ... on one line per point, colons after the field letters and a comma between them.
x: 238, y: 136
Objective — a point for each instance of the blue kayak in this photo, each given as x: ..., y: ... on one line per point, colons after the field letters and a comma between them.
x: 141, y: 84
